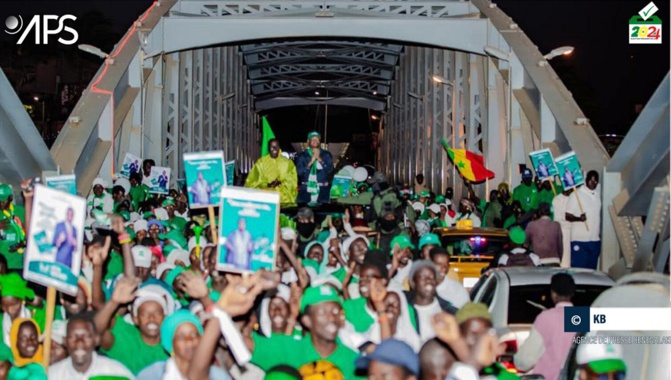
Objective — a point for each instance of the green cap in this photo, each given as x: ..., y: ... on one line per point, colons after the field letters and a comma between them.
x: 148, y: 215
x: 472, y: 310
x: 440, y: 199
x: 314, y: 134
x: 12, y: 285
x: 125, y: 215
x: 429, y: 239
x: 5, y: 192
x: 424, y: 193
x: 168, y: 202
x: 318, y: 294
x: 403, y: 242
x: 517, y: 235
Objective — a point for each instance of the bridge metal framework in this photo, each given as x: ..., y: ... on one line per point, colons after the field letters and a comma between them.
x: 193, y: 75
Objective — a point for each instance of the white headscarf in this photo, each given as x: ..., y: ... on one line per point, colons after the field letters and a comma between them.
x: 404, y: 330
x: 265, y: 324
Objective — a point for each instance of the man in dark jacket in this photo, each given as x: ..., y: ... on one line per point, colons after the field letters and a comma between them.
x: 314, y: 166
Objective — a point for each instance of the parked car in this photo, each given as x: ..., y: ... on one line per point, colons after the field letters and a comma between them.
x: 471, y: 250
x: 516, y: 295
x: 644, y: 361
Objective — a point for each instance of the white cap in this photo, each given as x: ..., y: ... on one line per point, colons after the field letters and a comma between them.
x: 154, y: 293
x: 418, y: 206
x: 161, y: 213
x: 58, y: 331
x: 601, y: 358
x: 435, y: 208
x: 178, y: 254
x: 134, y: 216
x: 140, y: 225
x: 123, y: 182
x: 288, y: 233
x: 99, y: 181
x: 163, y: 267
x: 192, y: 243
x: 141, y: 256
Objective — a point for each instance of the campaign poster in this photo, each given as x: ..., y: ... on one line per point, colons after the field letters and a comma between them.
x: 544, y: 164
x: 54, y: 247
x: 131, y: 164
x: 230, y: 173
x: 569, y: 170
x: 249, y: 222
x: 205, y: 176
x: 159, y: 178
x: 65, y: 183
x: 341, y: 186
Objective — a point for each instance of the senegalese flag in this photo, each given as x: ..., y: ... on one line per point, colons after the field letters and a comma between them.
x: 267, y: 136
x: 470, y: 165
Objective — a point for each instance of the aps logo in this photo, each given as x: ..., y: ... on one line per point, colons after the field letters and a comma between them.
x: 42, y: 26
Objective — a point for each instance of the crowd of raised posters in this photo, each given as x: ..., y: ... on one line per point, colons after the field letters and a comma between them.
x: 152, y: 275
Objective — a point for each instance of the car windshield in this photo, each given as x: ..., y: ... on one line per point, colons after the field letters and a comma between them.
x: 473, y: 245
x: 525, y: 302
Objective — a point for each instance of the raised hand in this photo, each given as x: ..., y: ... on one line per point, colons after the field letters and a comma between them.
x: 193, y: 285
x: 239, y: 295
x: 118, y: 224
x: 98, y: 254
x: 125, y: 290
x: 446, y: 328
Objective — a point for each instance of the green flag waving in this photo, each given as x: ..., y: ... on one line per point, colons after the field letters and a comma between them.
x: 267, y: 136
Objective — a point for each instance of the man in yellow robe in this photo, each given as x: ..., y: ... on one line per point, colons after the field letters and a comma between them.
x: 277, y: 172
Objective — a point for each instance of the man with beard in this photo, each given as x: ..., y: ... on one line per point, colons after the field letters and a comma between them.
x: 84, y: 363
x: 136, y: 346
x: 422, y: 296
x: 314, y: 166
x: 323, y: 316
x: 525, y: 191
x: 275, y: 172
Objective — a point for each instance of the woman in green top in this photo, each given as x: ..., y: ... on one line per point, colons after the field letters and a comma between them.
x: 15, y: 292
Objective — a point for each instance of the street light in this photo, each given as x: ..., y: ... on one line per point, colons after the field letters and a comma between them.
x: 506, y: 56
x: 95, y: 51
x: 562, y: 50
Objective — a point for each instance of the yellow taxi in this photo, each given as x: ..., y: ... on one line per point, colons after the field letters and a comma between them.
x: 471, y: 249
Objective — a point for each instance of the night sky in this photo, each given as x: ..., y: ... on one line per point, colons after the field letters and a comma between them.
x: 606, y: 74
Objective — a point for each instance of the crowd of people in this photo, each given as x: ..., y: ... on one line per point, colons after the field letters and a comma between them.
x: 152, y: 305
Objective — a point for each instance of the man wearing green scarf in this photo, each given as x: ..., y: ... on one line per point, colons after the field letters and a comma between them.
x: 314, y: 166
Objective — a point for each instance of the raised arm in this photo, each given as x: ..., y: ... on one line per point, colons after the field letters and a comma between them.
x: 124, y: 293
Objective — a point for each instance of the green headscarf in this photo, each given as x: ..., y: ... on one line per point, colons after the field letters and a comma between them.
x: 12, y: 285
x: 172, y: 322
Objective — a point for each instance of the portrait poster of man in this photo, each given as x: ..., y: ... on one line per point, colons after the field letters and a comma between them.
x: 205, y: 176
x: 131, y: 164
x: 54, y: 246
x: 544, y: 164
x: 66, y: 183
x: 160, y: 180
x: 249, y: 222
x: 570, y: 171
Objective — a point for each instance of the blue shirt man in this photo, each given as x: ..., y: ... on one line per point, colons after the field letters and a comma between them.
x: 239, y: 247
x: 314, y: 166
x: 200, y: 190
x: 65, y: 240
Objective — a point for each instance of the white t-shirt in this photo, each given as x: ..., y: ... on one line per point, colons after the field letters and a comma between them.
x: 100, y: 366
x: 591, y: 206
x: 453, y: 292
x: 401, y: 275
x: 559, y: 204
x: 424, y: 316
x: 106, y: 202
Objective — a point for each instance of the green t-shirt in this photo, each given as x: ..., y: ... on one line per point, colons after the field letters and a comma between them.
x: 177, y: 223
x: 12, y: 235
x: 131, y: 350
x: 138, y: 194
x: 525, y: 194
x: 357, y: 315
x: 114, y: 266
x: 297, y: 353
